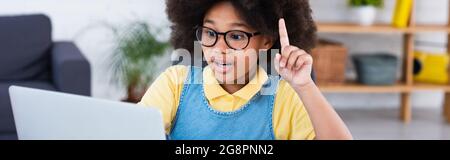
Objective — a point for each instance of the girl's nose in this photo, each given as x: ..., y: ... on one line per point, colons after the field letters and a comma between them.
x: 221, y: 45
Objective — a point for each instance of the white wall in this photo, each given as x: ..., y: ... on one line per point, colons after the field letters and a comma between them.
x: 81, y: 21
x: 71, y: 18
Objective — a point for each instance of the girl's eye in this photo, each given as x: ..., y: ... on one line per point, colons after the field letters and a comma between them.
x: 237, y: 36
x: 211, y: 33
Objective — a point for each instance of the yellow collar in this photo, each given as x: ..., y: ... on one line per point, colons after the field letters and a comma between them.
x: 213, y: 89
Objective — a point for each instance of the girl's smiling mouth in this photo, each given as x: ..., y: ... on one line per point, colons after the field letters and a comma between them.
x: 222, y: 66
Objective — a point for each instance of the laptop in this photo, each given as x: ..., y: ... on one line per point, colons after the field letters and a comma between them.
x: 48, y: 115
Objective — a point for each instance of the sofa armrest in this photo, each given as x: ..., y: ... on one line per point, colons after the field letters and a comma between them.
x: 71, y: 70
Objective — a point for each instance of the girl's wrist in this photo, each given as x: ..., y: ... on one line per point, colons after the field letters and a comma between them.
x: 305, y: 86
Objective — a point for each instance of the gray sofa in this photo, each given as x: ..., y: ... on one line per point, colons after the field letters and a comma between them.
x: 29, y: 57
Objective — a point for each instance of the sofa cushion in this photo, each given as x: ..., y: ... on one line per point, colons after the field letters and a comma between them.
x: 25, y: 42
x: 8, y: 136
x: 6, y: 116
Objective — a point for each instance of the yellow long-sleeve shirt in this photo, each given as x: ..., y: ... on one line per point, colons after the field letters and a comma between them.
x: 290, y: 119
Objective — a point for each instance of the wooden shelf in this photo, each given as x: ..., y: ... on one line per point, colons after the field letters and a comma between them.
x: 430, y: 28
x: 352, y: 28
x: 424, y: 86
x: 353, y: 87
x: 378, y: 28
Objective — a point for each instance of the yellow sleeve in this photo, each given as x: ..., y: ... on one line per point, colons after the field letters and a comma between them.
x: 165, y: 92
x: 290, y: 119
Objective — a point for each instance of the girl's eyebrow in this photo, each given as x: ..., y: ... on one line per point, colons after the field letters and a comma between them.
x: 208, y: 21
x: 235, y: 24
x: 239, y: 25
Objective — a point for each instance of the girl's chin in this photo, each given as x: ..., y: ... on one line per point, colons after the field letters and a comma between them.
x: 224, y: 78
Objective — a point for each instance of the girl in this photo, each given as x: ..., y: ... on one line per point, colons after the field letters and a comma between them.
x: 228, y: 100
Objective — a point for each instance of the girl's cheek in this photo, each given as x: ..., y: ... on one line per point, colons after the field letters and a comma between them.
x: 207, y: 55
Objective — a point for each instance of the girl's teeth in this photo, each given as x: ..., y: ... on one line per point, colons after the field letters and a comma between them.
x: 223, y: 67
x: 224, y: 64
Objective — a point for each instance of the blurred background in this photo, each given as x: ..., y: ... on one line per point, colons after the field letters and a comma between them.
x: 402, y: 99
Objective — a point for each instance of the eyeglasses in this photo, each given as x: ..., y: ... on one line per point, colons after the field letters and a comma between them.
x: 234, y: 39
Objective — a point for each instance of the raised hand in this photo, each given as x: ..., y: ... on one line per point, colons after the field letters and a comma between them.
x: 293, y: 64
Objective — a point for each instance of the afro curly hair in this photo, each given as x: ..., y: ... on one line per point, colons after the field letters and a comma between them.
x: 262, y: 15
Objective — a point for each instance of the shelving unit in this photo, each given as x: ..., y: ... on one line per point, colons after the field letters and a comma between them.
x: 379, y: 28
x: 406, y: 86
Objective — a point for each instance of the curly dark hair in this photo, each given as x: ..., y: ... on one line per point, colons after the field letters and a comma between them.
x: 262, y: 15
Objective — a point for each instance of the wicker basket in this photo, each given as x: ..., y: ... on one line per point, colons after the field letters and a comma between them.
x: 330, y: 59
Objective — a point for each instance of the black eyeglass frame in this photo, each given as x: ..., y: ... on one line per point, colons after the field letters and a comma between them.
x: 249, y: 35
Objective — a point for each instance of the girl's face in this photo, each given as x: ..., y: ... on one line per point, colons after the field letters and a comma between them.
x: 229, y: 60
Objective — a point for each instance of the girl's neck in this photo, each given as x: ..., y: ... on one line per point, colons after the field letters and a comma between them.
x: 232, y: 88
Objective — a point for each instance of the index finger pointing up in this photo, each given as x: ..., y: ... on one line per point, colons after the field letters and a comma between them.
x: 284, y: 38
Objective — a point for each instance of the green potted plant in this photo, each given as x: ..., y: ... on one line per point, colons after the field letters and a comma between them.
x: 364, y: 11
x: 133, y: 61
